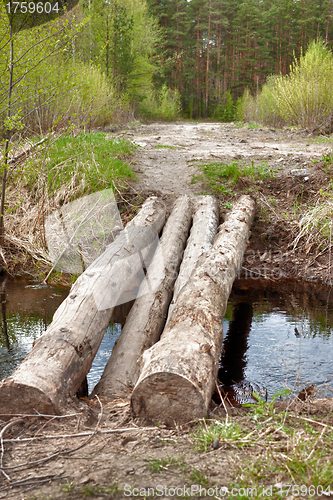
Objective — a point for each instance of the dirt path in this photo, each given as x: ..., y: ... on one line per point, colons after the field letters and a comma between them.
x: 165, y: 160
x: 169, y: 158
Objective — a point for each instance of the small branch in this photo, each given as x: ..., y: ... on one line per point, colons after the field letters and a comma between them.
x: 8, y: 426
x: 33, y: 480
x: 313, y: 421
x: 80, y: 434
x: 37, y: 414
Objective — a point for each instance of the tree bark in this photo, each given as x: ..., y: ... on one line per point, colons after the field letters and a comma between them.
x: 147, y: 317
x: 61, y: 358
x: 203, y: 232
x: 179, y: 372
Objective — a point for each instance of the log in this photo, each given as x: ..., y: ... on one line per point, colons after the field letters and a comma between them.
x: 203, y: 232
x: 60, y: 359
x: 179, y: 372
x: 146, y: 320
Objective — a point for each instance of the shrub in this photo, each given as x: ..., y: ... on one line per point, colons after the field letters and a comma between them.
x: 225, y: 111
x: 79, y: 93
x: 246, y: 107
x: 162, y: 105
x: 303, y: 98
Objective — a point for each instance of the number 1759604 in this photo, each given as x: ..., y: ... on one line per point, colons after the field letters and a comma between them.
x: 32, y: 7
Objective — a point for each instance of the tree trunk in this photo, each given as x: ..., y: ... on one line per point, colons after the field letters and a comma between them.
x: 147, y: 317
x: 61, y: 358
x: 203, y: 232
x: 179, y: 372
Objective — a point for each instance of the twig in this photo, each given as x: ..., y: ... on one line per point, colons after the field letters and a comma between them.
x: 314, y: 445
x: 37, y: 414
x: 61, y: 452
x: 80, y: 434
x: 313, y: 421
x: 34, y: 480
x: 222, y: 401
x: 8, y: 426
x: 266, y: 203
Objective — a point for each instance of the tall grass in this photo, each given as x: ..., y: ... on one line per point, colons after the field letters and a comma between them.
x: 75, y: 165
x: 303, y: 98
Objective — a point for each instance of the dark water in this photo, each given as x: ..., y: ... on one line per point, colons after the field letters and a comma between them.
x: 276, y: 335
x: 28, y: 307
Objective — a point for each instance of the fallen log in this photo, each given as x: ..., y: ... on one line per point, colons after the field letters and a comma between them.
x: 146, y: 319
x: 203, y: 232
x: 60, y: 359
x: 179, y: 372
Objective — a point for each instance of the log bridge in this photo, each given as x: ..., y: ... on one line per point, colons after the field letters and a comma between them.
x: 166, y: 358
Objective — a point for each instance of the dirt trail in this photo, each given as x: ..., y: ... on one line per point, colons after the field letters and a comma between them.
x: 164, y: 162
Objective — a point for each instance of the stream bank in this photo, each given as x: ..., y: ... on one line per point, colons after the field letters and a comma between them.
x: 101, y: 464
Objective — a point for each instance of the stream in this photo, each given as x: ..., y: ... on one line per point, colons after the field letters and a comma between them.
x: 277, y: 335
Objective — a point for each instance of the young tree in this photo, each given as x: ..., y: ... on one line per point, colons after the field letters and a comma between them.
x: 21, y: 52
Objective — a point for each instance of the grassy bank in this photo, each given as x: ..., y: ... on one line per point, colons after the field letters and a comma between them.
x: 62, y: 169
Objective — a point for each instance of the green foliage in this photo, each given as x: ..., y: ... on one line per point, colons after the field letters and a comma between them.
x: 81, y: 96
x: 205, y: 433
x: 303, y: 98
x: 249, y: 40
x: 162, y: 105
x: 51, y: 89
x: 225, y: 111
x: 120, y: 39
x: 161, y: 464
x: 246, y: 107
x: 221, y: 177
x: 90, y: 490
x: 82, y: 164
x: 262, y: 407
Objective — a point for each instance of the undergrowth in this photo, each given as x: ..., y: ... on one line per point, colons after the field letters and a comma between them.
x: 221, y: 177
x: 302, y: 98
x: 83, y: 164
x: 62, y: 170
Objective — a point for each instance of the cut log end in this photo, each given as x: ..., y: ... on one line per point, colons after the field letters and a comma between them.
x: 21, y: 398
x: 168, y: 398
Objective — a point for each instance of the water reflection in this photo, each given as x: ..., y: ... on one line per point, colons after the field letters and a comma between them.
x: 27, y: 308
x: 277, y: 337
x: 233, y: 358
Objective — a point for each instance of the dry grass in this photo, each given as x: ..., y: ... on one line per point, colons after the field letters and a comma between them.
x: 36, y: 189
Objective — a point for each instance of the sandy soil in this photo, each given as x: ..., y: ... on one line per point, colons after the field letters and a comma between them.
x: 103, y: 463
x: 165, y: 160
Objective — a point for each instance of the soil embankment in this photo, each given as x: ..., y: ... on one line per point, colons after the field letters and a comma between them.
x: 299, y: 168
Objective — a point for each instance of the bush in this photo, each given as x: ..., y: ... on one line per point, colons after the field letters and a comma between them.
x: 246, y: 107
x: 162, y: 105
x: 267, y: 112
x: 225, y: 111
x: 303, y: 98
x: 79, y: 93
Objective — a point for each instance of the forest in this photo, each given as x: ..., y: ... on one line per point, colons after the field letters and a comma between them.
x: 161, y: 59
x: 215, y: 49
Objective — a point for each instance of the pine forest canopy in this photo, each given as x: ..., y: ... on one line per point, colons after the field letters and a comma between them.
x: 205, y: 51
x: 214, y: 49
